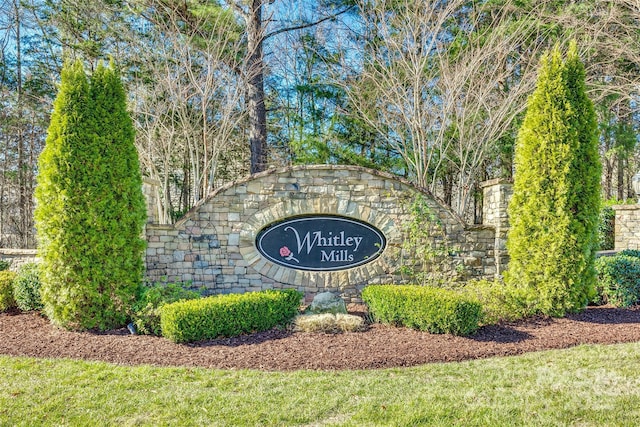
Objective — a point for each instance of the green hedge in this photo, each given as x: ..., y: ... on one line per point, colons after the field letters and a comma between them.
x: 7, y: 301
x: 500, y: 301
x: 146, y: 312
x: 618, y: 280
x: 422, y: 307
x: 228, y: 315
x: 630, y: 252
x: 26, y: 287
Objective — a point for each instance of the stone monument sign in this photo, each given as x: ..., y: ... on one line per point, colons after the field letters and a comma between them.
x: 313, y: 228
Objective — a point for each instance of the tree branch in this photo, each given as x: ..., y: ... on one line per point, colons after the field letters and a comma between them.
x: 307, y: 24
x: 235, y: 6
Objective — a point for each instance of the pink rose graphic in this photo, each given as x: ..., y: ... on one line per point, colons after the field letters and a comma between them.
x: 287, y: 254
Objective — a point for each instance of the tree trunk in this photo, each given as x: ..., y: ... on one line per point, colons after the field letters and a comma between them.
x: 620, y: 177
x: 23, y: 228
x: 447, y: 188
x: 608, y: 178
x: 255, y: 89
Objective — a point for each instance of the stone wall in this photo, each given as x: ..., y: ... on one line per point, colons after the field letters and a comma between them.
x: 214, y: 245
x: 495, y: 202
x: 627, y: 227
x: 150, y: 189
x: 18, y: 257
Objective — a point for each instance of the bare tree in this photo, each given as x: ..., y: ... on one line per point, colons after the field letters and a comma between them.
x: 481, y: 90
x: 443, y: 81
x: 442, y: 85
x: 24, y: 106
x: 188, y: 105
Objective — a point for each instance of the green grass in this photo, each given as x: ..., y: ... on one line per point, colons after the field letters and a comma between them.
x: 587, y: 385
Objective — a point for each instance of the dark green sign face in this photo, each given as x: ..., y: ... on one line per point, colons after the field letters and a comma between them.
x: 320, y: 243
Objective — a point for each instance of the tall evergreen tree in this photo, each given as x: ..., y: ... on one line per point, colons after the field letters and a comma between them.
x: 554, y: 210
x: 90, y: 208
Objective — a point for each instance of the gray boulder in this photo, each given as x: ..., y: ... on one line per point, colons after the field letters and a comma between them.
x: 327, y: 302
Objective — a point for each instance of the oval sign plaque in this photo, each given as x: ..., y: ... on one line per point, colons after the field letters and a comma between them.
x: 320, y: 243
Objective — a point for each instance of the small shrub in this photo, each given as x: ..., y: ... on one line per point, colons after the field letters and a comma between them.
x: 146, y: 312
x: 228, y: 315
x: 26, y: 287
x: 618, y: 280
x: 500, y: 301
x: 422, y: 307
x: 7, y: 301
x: 350, y: 323
x: 4, y: 264
x: 630, y: 252
x: 329, y: 323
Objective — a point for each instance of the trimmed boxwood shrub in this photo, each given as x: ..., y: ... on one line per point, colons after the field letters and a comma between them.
x: 26, y: 287
x: 146, y: 312
x: 436, y: 310
x: 228, y: 315
x: 7, y: 301
x: 500, y: 301
x: 618, y: 280
x: 630, y: 252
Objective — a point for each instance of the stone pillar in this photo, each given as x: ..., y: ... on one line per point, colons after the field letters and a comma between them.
x: 496, y: 196
x: 151, y: 191
x: 627, y: 227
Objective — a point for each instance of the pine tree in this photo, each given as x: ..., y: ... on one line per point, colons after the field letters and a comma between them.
x: 554, y: 209
x: 90, y: 208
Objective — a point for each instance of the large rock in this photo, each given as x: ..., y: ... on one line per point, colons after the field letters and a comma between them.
x: 327, y: 302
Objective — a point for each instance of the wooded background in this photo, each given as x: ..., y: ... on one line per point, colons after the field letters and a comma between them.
x: 433, y: 91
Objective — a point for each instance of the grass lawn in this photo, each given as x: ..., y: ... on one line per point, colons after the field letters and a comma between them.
x: 587, y: 385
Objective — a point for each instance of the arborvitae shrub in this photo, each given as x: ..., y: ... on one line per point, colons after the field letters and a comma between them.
x: 26, y: 288
x: 90, y: 208
x: 7, y: 301
x: 555, y: 206
x: 437, y: 310
x: 228, y: 315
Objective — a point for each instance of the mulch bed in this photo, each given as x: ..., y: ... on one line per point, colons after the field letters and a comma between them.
x: 29, y: 334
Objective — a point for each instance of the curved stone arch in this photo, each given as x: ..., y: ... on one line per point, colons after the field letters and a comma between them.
x: 292, y: 169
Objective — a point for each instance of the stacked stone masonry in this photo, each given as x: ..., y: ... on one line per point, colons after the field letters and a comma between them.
x: 150, y: 188
x: 18, y: 257
x: 213, y: 245
x: 495, y: 203
x: 627, y: 227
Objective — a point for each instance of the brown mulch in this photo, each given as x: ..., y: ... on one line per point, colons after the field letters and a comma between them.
x: 29, y: 334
